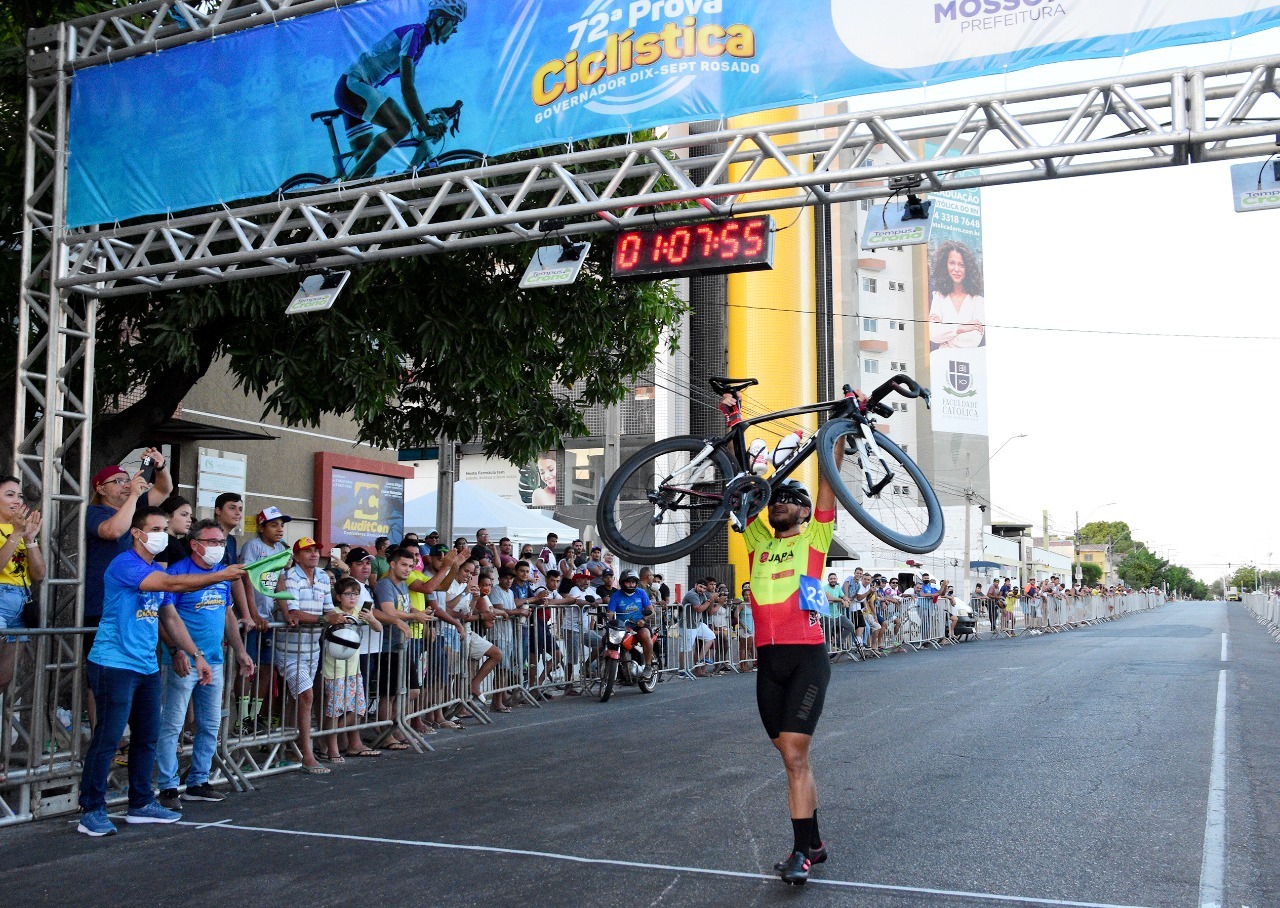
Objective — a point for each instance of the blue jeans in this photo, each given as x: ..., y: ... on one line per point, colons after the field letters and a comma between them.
x: 175, y: 693
x: 123, y: 698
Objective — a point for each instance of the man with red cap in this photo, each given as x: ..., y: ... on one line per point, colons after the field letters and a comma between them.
x: 107, y: 520
x: 297, y: 652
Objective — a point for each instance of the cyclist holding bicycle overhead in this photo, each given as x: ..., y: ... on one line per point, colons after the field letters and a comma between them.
x: 793, y: 669
x: 365, y: 105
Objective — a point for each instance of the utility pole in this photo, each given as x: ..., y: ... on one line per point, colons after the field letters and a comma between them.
x: 1045, y: 516
x: 968, y: 518
x: 447, y: 471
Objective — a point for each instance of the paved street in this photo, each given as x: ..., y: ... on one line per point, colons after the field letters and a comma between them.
x: 1070, y: 769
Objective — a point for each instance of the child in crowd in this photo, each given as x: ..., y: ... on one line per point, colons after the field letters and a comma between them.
x: 344, y: 694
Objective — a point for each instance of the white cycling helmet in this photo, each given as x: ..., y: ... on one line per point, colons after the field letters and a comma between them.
x: 455, y: 8
x: 341, y: 641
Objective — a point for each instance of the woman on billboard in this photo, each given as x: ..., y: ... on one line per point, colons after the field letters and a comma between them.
x: 957, y: 316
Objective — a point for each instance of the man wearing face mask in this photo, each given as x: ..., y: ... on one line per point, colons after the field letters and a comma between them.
x: 123, y: 673
x: 209, y: 618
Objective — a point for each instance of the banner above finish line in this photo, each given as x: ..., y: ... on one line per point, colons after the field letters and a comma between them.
x: 384, y: 86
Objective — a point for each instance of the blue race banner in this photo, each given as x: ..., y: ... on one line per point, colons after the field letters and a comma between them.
x: 385, y: 86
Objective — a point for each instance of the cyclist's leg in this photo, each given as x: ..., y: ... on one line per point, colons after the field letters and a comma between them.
x: 371, y: 106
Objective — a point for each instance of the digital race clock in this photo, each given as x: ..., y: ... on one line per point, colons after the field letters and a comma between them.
x: 708, y: 247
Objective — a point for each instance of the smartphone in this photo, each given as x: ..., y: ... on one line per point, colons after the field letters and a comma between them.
x: 148, y: 470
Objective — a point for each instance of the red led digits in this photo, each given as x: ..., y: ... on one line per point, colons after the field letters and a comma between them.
x: 729, y: 241
x: 678, y: 248
x: 707, y: 247
x: 627, y: 251
x: 753, y: 241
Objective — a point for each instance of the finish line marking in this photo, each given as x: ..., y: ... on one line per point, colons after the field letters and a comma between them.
x: 638, y: 865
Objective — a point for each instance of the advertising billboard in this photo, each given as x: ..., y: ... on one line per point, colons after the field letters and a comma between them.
x: 385, y: 86
x: 957, y: 314
x: 364, y: 506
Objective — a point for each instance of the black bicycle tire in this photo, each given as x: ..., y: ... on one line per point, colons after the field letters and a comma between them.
x: 920, y: 544
x: 456, y: 156
x: 614, y: 538
x: 304, y: 180
x: 610, y: 676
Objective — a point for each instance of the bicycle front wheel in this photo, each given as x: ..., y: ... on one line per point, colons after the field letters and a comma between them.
x: 905, y: 513
x: 660, y: 505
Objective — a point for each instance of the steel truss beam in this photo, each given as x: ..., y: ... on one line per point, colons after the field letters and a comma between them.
x: 1133, y: 123
x: 51, y: 443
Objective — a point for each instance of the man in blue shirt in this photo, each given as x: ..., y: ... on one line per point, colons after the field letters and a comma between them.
x: 631, y: 605
x: 123, y: 673
x: 209, y: 618
x: 928, y: 596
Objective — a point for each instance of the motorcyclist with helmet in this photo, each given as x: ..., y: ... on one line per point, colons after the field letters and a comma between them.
x: 631, y: 606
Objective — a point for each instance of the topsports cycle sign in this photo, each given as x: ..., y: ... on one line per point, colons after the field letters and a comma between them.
x: 390, y: 86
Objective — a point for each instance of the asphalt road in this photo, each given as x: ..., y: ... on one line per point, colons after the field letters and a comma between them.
x: 1066, y: 769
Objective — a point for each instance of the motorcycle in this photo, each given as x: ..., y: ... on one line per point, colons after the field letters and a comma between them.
x: 966, y: 620
x: 623, y: 658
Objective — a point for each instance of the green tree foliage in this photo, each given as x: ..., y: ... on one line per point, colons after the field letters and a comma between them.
x: 1090, y: 574
x: 414, y: 350
x: 1140, y: 568
x: 1102, y: 532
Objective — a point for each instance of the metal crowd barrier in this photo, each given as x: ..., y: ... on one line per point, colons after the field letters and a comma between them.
x: 45, y: 736
x: 1265, y: 608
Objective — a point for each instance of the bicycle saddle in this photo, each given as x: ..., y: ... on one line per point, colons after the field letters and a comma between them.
x: 730, y: 385
x: 325, y: 115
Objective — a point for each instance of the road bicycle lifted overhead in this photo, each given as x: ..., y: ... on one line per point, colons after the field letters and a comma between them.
x: 672, y: 496
x: 428, y: 148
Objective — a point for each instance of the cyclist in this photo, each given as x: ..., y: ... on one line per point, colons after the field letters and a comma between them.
x: 793, y: 668
x: 632, y: 606
x: 365, y: 105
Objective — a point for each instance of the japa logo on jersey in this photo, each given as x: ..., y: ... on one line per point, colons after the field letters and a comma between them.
x: 628, y: 55
x: 959, y: 379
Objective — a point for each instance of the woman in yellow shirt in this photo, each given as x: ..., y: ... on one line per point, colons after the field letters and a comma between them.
x: 21, y: 565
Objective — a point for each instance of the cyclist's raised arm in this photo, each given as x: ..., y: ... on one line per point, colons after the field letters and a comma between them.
x: 826, y: 500
x: 410, y: 91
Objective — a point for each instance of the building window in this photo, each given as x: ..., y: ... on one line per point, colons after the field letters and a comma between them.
x: 864, y: 204
x: 869, y: 284
x: 870, y: 324
x: 871, y: 366
x: 584, y: 469
x: 902, y: 326
x: 904, y: 448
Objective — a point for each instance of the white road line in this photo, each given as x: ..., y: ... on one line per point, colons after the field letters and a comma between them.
x: 1224, y: 647
x: 1213, y: 866
x: 668, y: 868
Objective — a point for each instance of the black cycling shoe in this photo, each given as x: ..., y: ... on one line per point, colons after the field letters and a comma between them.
x: 795, y: 869
x: 816, y: 856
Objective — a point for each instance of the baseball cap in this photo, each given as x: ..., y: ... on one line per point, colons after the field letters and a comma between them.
x: 358, y: 554
x: 607, y: 572
x: 306, y: 542
x: 595, y: 548
x: 581, y: 575
x: 272, y: 512
x: 439, y: 549
x: 435, y: 533
x: 107, y: 472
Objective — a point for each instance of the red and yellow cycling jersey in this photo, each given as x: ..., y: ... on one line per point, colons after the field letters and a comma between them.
x: 776, y: 568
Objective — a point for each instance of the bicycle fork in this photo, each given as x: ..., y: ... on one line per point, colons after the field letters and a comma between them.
x: 868, y: 452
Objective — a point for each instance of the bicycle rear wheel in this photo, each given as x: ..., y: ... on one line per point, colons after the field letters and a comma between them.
x: 656, y: 508
x: 304, y: 181
x: 905, y: 513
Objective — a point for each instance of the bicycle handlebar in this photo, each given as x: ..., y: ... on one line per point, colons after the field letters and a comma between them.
x: 902, y: 384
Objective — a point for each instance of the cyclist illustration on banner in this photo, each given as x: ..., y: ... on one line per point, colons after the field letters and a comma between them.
x: 365, y: 106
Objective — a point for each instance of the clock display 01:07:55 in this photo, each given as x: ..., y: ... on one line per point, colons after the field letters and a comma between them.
x: 731, y: 244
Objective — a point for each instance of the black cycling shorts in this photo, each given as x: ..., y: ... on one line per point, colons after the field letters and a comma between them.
x: 791, y: 685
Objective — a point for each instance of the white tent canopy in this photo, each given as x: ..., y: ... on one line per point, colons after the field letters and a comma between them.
x: 475, y: 507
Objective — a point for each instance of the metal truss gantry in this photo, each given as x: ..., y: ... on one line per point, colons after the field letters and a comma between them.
x: 1129, y: 123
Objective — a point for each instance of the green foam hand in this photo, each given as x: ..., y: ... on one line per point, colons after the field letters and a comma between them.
x: 271, y: 564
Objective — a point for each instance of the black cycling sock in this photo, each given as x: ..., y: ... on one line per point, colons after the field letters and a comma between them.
x: 803, y: 830
x: 815, y: 838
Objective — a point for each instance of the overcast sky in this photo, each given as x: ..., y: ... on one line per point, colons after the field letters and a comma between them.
x: 1176, y: 436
